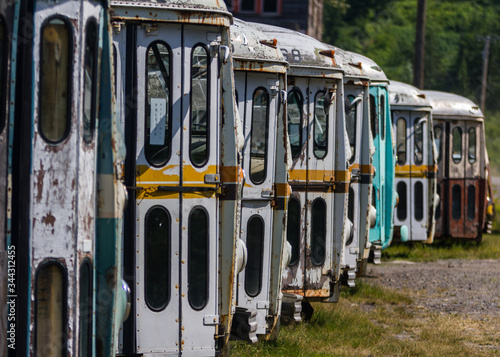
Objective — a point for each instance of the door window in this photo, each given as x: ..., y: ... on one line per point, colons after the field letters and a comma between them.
x: 401, y: 141
x: 198, y: 259
x: 438, y: 139
x: 456, y: 202
x: 158, y: 97
x: 350, y: 212
x: 55, y: 80
x: 373, y: 116
x: 255, y: 247
x: 419, y: 201
x: 318, y: 231
x: 351, y: 115
x: 471, y: 202
x: 3, y: 72
x: 320, y: 126
x: 50, y: 311
x: 157, y: 258
x: 200, y: 119
x: 418, y: 141
x: 402, y: 209
x: 293, y: 229
x: 472, y: 145
x: 382, y: 116
x: 85, y: 309
x: 457, y: 145
x: 260, y: 129
x: 294, y: 113
x: 90, y: 81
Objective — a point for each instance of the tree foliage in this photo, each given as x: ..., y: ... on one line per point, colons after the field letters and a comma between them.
x: 384, y: 30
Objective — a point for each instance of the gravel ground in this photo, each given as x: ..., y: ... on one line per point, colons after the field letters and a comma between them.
x: 464, y: 287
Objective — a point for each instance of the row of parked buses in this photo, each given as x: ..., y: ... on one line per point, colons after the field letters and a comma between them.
x: 263, y: 169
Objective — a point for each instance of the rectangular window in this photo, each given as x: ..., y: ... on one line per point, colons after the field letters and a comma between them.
x: 247, y: 5
x: 320, y: 126
x: 401, y: 141
x: 418, y: 141
x: 472, y: 145
x: 258, y: 142
x: 270, y: 6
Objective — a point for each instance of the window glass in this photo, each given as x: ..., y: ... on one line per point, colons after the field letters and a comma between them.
x: 401, y: 141
x: 3, y: 73
x: 89, y: 79
x: 457, y: 145
x: 85, y: 309
x: 270, y: 6
x: 255, y: 245
x: 471, y: 202
x: 50, y: 310
x: 320, y: 128
x: 418, y: 141
x: 247, y: 5
x: 438, y: 139
x: 382, y: 116
x: 419, y: 201
x: 351, y: 115
x: 350, y: 212
x: 373, y: 116
x: 200, y: 120
x: 402, y: 209
x: 293, y: 229
x: 198, y: 259
x: 294, y: 113
x: 260, y: 128
x: 456, y: 202
x: 318, y: 231
x: 472, y: 145
x: 157, y: 143
x: 55, y: 81
x: 438, y: 208
x: 157, y: 258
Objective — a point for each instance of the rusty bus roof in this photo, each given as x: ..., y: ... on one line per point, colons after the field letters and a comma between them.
x: 347, y: 62
x: 405, y: 95
x: 370, y: 68
x: 452, y: 105
x: 206, y: 12
x: 301, y: 50
x: 252, y: 45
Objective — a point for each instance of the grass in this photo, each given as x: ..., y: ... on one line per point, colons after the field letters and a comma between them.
x: 371, y: 320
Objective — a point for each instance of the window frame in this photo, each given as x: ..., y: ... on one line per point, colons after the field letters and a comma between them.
x: 208, y: 102
x: 296, y: 246
x: 266, y: 146
x: 316, y: 146
x: 314, y: 260
x: 399, y: 161
x: 147, y: 112
x: 300, y: 97
x: 250, y: 258
x: 95, y: 80
x: 471, y: 158
x: 69, y: 104
x: 457, y: 160
x: 350, y: 98
x: 418, y: 124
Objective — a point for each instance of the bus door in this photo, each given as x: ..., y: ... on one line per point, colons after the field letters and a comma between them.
x: 298, y: 131
x: 320, y: 110
x: 176, y: 177
x: 401, y: 120
x: 258, y: 103
x: 440, y: 141
x: 456, y: 174
x: 473, y: 188
x: 354, y: 127
x: 419, y: 183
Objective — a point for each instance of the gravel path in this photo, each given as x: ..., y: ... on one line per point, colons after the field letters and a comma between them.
x: 466, y: 287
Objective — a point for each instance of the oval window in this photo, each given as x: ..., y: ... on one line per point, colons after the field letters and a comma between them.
x: 294, y: 115
x: 258, y: 142
x: 351, y: 113
x: 472, y: 145
x: 55, y: 80
x: 293, y: 229
x: 457, y: 145
x: 200, y: 99
x: 382, y: 116
x: 373, y: 116
x: 418, y: 142
x: 158, y: 98
x: 419, y: 201
x: 198, y: 259
x: 456, y: 202
x: 86, y: 312
x: 318, y: 231
x: 255, y: 247
x: 157, y: 258
x: 90, y: 81
x: 50, y: 311
x: 350, y: 212
x: 402, y: 209
x: 438, y: 139
x: 320, y: 126
x: 471, y: 202
x: 401, y: 141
